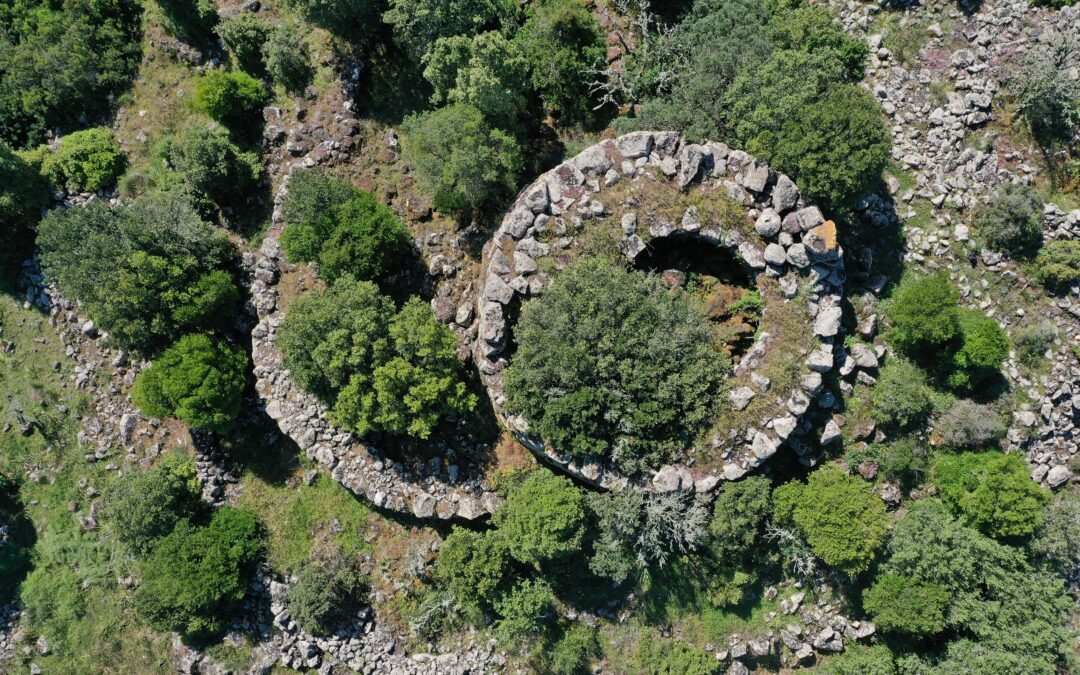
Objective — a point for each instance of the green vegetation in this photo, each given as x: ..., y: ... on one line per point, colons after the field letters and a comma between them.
x: 967, y: 424
x: 381, y: 372
x: 843, y: 522
x: 669, y: 657
x: 1044, y: 89
x: 197, y: 575
x: 62, y: 62
x: 418, y: 24
x: 346, y: 230
x: 525, y: 610
x: 473, y: 565
x: 459, y: 158
x: 983, y: 348
x: 1056, y: 543
x: 903, y: 605
x: 144, y: 507
x: 611, y: 364
x: 542, y: 518
x: 199, y: 380
x: 86, y: 161
x: 352, y: 18
x: 244, y: 36
x: 287, y: 59
x: 22, y: 194
x: 209, y: 166
x: 485, y: 71
x: 146, y: 272
x: 1058, y: 264
x: 991, y: 491
x: 902, y: 398
x: 326, y: 593
x: 230, y: 97
x: 922, y: 313
x: 1011, y: 220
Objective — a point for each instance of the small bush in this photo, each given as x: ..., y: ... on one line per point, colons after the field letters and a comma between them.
x: 664, y: 656
x: 353, y: 19
x: 196, y: 576
x: 232, y: 98
x: 473, y: 565
x: 287, y: 59
x: 1045, y: 88
x: 1033, y: 342
x: 144, y: 507
x: 211, y: 167
x: 969, y: 425
x: 859, y: 660
x: 1058, y: 264
x: 612, y: 364
x: 526, y: 611
x: 984, y: 346
x: 902, y: 398
x: 1011, y: 220
x: 900, y: 604
x: 843, y: 522
x: 22, y: 194
x: 86, y: 161
x: 542, y: 519
x: 572, y: 652
x: 359, y: 237
x: 992, y: 491
x: 459, y: 159
x: 199, y: 380
x: 244, y: 36
x: 738, y: 516
x: 325, y: 595
x: 189, y: 19
x: 922, y: 312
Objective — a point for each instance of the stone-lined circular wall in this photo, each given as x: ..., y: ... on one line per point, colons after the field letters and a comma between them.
x: 643, y: 188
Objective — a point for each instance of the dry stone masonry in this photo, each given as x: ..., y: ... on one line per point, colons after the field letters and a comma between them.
x: 784, y: 240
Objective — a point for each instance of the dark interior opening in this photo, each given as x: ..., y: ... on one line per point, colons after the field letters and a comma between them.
x: 716, y: 279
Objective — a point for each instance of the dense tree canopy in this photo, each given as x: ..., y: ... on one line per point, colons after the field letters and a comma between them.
x: 145, y: 507
x: 611, y: 364
x: 485, y: 71
x: 209, y: 166
x: 326, y: 592
x: 89, y: 161
x: 197, y: 575
x: 904, y: 605
x: 199, y: 380
x: 542, y: 518
x: 844, y: 523
x: 62, y: 62
x: 418, y: 24
x: 146, y: 272
x: 992, y: 491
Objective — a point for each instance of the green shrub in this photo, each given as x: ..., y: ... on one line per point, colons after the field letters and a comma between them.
x: 22, y: 194
x: 144, y: 507
x: 542, y: 519
x: 287, y: 59
x: 902, y: 460
x: 62, y: 62
x: 739, y: 513
x: 967, y: 424
x: 459, y: 159
x: 244, y: 36
x: 199, y: 380
x: 526, y: 611
x: 572, y: 652
x: 418, y: 387
x: 380, y: 372
x: 359, y: 236
x: 485, y: 71
x: 1011, y: 220
x: 664, y: 656
x: 147, y: 271
x: 1044, y: 87
x: 814, y: 29
x: 326, y: 594
x: 843, y: 522
x: 903, y: 605
x: 922, y: 313
x: 211, y: 167
x: 189, y: 19
x: 86, y: 161
x: 196, y: 576
x: 1056, y: 544
x: 329, y: 337
x: 860, y: 660
x: 992, y: 491
x: 612, y: 364
x: 353, y: 19
x: 1032, y: 342
x: 902, y: 398
x: 562, y: 44
x: 232, y: 98
x: 1058, y: 264
x: 984, y: 346
x: 418, y: 24
x: 473, y: 565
